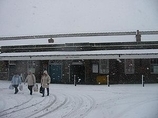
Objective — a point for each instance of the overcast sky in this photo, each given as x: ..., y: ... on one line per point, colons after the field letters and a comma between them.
x: 33, y: 17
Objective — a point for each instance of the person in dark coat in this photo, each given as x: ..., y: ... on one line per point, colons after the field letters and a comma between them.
x: 45, y: 81
x: 16, y: 80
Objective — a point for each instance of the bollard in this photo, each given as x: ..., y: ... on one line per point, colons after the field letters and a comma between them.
x: 108, y: 81
x: 143, y: 80
x: 75, y: 80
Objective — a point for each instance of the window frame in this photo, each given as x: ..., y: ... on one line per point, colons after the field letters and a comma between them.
x: 130, y: 68
x: 104, y: 66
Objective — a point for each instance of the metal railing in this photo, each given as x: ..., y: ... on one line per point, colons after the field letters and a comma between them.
x: 79, y: 35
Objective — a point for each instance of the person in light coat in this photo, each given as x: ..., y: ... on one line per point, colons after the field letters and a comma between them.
x: 16, y: 80
x: 45, y: 81
x: 31, y: 80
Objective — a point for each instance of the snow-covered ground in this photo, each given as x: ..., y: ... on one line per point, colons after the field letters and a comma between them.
x: 81, y: 101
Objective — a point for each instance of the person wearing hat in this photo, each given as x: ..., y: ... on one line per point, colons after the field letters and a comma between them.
x: 45, y: 81
x: 31, y: 80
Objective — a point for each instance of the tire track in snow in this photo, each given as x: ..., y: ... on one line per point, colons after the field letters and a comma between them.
x: 49, y: 109
x: 131, y: 107
x: 13, y: 109
x: 107, y: 103
x: 88, y: 107
x: 75, y: 104
x: 44, y: 107
x: 2, y: 104
x: 85, y: 104
x: 14, y: 112
x: 11, y: 99
x: 112, y: 103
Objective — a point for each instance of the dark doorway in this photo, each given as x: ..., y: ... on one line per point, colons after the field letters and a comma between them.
x: 12, y: 69
x: 79, y: 71
x: 115, y: 72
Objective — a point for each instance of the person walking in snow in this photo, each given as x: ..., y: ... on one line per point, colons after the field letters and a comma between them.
x: 45, y: 81
x: 31, y: 80
x: 16, y: 80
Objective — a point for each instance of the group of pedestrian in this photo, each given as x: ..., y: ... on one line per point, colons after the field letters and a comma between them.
x: 31, y: 81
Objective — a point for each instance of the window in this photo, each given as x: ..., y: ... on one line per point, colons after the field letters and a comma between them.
x: 31, y: 66
x: 95, y: 68
x: 154, y: 66
x: 104, y: 66
x: 3, y: 66
x: 129, y: 66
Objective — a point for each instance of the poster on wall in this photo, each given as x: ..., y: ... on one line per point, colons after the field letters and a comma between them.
x: 95, y: 68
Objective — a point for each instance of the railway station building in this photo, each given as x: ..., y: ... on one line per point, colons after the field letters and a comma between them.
x: 89, y: 63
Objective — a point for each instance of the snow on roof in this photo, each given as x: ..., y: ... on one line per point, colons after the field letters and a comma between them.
x: 96, y: 39
x: 103, y: 54
x: 73, y: 16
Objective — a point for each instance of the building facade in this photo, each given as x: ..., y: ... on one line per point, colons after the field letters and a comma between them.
x: 86, y: 71
x: 87, y: 63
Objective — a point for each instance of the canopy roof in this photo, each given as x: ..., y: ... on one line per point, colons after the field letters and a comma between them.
x: 73, y: 55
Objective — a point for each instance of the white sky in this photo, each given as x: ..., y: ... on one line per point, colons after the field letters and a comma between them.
x: 81, y: 101
x: 27, y: 17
